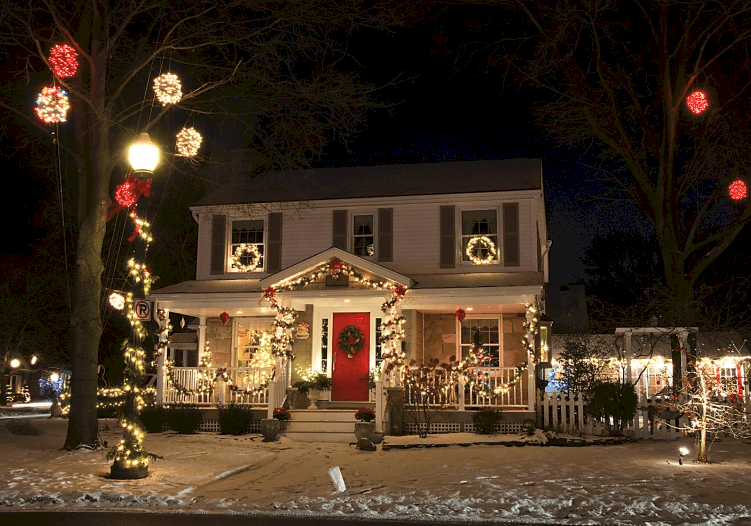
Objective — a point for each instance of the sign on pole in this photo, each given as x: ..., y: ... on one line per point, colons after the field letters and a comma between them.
x: 142, y: 310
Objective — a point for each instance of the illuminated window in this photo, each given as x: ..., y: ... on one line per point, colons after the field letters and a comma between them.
x: 247, y: 232
x: 363, y: 240
x: 476, y: 223
x: 491, y: 338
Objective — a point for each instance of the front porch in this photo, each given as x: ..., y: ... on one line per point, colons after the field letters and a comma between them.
x: 262, y: 389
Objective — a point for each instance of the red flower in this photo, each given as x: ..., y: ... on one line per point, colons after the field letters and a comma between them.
x: 400, y: 290
x: 268, y: 292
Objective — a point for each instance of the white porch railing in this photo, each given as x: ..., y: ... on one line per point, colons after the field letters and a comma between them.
x: 246, y: 385
x: 278, y: 387
x: 512, y: 396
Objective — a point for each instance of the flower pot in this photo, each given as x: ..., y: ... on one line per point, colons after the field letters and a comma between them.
x: 313, y: 395
x: 270, y: 428
x: 128, y: 473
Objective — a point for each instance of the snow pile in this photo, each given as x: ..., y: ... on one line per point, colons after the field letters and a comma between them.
x: 631, y: 483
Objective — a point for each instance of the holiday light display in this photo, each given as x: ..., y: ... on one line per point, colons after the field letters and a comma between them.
x: 52, y: 105
x: 168, y: 89
x: 117, y: 301
x: 188, y: 142
x: 697, y: 102
x: 247, y: 253
x: 737, y: 190
x: 481, y: 245
x: 63, y: 60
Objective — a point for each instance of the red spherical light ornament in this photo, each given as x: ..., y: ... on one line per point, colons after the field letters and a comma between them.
x: 460, y: 315
x: 224, y: 318
x: 697, y: 102
x: 126, y: 195
x: 63, y: 60
x: 737, y: 190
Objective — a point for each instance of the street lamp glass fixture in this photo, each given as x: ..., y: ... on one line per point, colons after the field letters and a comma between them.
x: 143, y: 155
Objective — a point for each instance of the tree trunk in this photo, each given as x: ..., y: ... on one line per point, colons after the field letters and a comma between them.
x: 87, y: 330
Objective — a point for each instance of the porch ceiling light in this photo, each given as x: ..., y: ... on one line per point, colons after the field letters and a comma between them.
x: 15, y: 363
x: 143, y: 155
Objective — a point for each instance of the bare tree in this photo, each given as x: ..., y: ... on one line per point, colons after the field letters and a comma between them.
x: 614, y: 76
x: 276, y: 66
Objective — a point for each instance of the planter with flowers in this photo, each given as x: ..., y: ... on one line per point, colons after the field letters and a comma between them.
x: 365, y: 428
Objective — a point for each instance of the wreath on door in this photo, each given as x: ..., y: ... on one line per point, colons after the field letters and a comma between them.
x: 350, y: 340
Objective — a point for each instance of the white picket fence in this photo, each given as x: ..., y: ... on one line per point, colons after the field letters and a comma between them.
x: 569, y: 416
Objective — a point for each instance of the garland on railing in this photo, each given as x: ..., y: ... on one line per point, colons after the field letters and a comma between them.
x: 205, y: 383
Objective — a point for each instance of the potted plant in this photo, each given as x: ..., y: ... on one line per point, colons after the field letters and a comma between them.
x: 270, y: 427
x: 312, y: 384
x: 282, y: 414
x: 365, y: 428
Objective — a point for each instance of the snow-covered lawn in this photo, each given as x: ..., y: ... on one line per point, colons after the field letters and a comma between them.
x: 632, y: 483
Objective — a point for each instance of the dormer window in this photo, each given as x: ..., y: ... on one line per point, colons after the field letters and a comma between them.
x: 247, y: 232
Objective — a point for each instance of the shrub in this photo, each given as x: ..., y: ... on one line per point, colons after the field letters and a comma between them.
x: 529, y: 426
x: 153, y: 418
x: 365, y: 415
x: 282, y: 414
x: 486, y: 421
x: 613, y: 400
x: 184, y: 418
x: 234, y: 419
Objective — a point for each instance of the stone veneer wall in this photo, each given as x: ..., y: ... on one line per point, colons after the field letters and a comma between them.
x: 439, y: 337
x: 220, y: 342
x: 513, y: 334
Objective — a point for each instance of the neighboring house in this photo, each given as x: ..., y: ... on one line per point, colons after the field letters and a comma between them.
x: 385, y: 226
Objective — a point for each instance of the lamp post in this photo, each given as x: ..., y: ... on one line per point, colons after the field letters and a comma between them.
x: 130, y: 458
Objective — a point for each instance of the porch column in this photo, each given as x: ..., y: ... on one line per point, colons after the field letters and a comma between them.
x: 201, y: 337
x: 627, y: 350
x: 531, y: 363
x: 379, y: 406
x: 163, y: 336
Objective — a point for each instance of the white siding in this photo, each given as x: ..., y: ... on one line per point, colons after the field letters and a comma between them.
x: 307, y: 231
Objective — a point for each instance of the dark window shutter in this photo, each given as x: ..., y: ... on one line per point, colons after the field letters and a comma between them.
x: 385, y: 234
x: 274, y: 246
x: 218, y: 246
x: 339, y: 230
x: 511, y: 234
x: 448, y: 237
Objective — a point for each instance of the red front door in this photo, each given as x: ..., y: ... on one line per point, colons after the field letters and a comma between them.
x: 349, y: 375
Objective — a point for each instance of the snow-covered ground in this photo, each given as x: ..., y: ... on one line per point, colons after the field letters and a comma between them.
x: 632, y: 483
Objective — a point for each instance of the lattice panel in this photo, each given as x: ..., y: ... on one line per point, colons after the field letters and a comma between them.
x: 436, y: 428
x: 212, y: 426
x: 505, y: 429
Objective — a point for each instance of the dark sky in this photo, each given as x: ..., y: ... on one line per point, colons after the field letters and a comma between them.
x: 449, y: 109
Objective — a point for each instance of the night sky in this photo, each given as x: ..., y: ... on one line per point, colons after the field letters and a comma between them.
x: 445, y: 109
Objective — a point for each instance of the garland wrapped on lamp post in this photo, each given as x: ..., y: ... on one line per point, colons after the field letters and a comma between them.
x: 131, y: 460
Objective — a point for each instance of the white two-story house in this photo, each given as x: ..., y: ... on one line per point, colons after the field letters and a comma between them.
x: 468, y: 241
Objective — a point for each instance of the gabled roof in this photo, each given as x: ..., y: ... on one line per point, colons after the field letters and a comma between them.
x: 381, y: 181
x: 311, y: 263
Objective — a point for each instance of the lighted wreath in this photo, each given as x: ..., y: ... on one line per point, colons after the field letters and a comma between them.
x: 350, y: 340
x: 479, y: 244
x: 246, y: 251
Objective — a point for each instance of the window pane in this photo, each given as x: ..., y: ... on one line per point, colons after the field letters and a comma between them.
x: 248, y: 232
x: 490, y: 330
x: 363, y: 238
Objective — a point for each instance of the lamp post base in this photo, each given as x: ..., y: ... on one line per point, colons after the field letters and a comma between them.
x: 128, y: 473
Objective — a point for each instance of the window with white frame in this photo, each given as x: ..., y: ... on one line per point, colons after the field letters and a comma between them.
x: 253, y: 343
x: 363, y: 237
x: 247, y: 232
x: 489, y: 328
x: 479, y: 223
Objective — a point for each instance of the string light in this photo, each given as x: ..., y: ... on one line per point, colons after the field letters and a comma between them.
x: 697, y: 102
x: 188, y: 142
x: 737, y: 190
x: 63, y: 60
x: 52, y: 105
x: 168, y: 88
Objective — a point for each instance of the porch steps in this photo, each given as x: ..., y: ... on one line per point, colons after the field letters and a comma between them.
x: 321, y: 425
